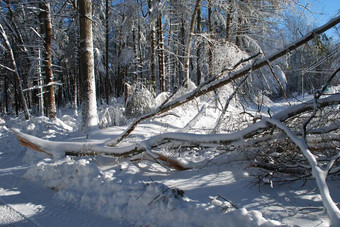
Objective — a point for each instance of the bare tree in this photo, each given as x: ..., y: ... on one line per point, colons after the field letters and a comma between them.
x: 86, y: 67
x: 46, y: 27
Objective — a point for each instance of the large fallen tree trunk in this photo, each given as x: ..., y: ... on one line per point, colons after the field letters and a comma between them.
x: 58, y: 149
x: 215, y: 83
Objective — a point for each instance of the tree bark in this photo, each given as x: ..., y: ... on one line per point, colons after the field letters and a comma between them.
x: 198, y: 69
x: 188, y: 45
x: 153, y: 48
x: 86, y: 67
x: 228, y: 21
x: 107, y: 31
x: 211, y: 35
x: 46, y: 27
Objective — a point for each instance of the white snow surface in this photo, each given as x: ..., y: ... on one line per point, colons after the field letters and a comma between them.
x: 37, y: 190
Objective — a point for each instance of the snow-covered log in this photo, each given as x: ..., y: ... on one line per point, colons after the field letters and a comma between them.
x: 62, y: 148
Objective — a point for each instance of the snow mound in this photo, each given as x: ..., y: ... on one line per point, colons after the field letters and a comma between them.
x: 118, y: 194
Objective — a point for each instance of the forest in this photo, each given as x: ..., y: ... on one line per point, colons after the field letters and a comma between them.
x: 145, y: 93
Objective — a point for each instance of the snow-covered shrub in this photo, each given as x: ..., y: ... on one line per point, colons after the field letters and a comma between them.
x: 111, y: 116
x: 140, y: 102
x: 227, y: 55
x: 161, y: 98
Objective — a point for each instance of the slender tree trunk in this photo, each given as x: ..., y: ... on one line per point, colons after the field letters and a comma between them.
x: 153, y: 48
x: 188, y: 45
x: 229, y: 20
x: 46, y: 27
x: 199, y: 73
x: 211, y: 32
x: 16, y: 73
x: 141, y: 56
x: 161, y: 59
x: 86, y: 67
x: 6, y: 94
x: 40, y: 82
x: 107, y: 31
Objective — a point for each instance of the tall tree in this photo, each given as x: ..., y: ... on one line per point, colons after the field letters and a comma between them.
x: 153, y: 46
x: 86, y: 67
x: 189, y: 43
x: 46, y: 27
x: 107, y: 38
x: 161, y: 52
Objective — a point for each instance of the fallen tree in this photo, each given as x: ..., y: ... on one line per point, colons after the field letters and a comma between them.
x: 215, y: 83
x: 58, y: 149
x: 245, y: 136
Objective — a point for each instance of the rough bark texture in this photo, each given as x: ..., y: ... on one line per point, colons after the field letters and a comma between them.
x: 86, y: 67
x: 46, y: 27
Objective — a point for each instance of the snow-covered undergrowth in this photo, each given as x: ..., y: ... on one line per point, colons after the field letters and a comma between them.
x: 118, y: 194
x: 111, y: 115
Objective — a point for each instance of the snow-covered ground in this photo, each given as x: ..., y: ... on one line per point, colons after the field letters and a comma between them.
x: 37, y: 190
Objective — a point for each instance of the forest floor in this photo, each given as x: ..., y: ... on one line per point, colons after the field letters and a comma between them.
x: 37, y: 190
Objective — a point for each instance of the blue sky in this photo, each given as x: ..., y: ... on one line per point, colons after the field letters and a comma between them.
x: 324, y: 10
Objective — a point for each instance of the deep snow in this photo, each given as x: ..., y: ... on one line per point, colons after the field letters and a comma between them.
x: 37, y: 190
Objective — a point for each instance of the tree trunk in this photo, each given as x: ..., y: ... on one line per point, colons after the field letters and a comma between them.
x: 229, y: 20
x: 211, y: 46
x: 46, y: 27
x: 86, y: 67
x: 153, y: 49
x: 40, y: 83
x: 16, y: 73
x: 107, y: 30
x: 188, y: 45
x: 161, y: 53
x: 199, y: 23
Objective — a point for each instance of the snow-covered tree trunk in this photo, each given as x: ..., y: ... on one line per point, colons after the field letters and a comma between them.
x: 40, y: 83
x: 86, y: 67
x: 46, y: 27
